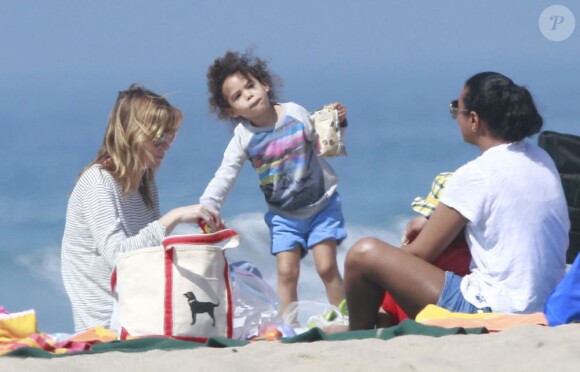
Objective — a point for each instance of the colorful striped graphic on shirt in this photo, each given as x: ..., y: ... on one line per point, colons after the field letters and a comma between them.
x: 286, y: 165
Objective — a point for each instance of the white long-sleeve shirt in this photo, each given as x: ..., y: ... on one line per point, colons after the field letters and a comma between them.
x: 101, y: 223
x: 296, y: 182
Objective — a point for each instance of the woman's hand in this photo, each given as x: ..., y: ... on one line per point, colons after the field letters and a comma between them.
x: 191, y: 214
x: 428, y: 238
x: 413, y: 229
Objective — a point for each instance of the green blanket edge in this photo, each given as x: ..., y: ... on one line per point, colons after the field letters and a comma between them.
x: 407, y: 327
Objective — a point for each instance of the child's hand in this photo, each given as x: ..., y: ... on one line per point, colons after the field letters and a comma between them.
x: 340, y: 108
x: 211, y: 222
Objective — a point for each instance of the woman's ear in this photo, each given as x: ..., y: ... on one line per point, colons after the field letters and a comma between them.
x: 475, y: 121
x: 474, y: 117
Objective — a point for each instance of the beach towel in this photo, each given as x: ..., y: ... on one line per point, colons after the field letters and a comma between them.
x: 180, y: 289
x: 48, y: 344
x: 408, y: 327
x: 17, y: 325
x: 494, y: 322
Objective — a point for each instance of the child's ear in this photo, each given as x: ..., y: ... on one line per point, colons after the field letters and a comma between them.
x: 231, y: 112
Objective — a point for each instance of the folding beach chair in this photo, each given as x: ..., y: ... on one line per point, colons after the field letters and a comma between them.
x: 565, y: 150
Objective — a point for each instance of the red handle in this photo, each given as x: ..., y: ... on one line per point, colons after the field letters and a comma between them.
x: 215, y: 237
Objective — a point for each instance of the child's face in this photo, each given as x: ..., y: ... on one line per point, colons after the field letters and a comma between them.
x: 247, y: 97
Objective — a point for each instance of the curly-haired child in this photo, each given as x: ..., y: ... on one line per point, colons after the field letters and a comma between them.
x: 300, y: 188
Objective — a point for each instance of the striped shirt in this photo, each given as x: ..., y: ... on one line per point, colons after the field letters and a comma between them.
x: 102, y: 223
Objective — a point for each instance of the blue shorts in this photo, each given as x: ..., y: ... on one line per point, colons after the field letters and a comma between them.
x: 287, y: 233
x: 452, y: 299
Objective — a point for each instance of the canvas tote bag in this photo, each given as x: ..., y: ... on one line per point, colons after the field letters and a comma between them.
x: 180, y: 289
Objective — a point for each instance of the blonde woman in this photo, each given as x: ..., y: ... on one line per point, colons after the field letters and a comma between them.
x: 114, y: 206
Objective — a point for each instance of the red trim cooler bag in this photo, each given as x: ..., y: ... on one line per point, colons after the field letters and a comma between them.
x: 180, y: 289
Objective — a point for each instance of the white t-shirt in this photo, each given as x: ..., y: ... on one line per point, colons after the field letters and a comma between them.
x: 517, y: 226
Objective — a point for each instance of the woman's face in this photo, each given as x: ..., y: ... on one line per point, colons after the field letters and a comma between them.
x: 158, y: 147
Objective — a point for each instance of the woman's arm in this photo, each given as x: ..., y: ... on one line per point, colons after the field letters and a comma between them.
x: 190, y: 214
x: 109, y: 225
x: 413, y: 229
x: 106, y: 218
x: 437, y: 233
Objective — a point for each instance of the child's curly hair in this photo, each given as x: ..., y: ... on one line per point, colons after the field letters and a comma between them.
x: 229, y: 64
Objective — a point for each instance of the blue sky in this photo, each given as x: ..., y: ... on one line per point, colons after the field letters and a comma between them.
x: 112, y: 37
x: 362, y: 50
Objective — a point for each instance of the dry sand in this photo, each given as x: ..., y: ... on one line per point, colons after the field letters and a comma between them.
x: 523, y: 348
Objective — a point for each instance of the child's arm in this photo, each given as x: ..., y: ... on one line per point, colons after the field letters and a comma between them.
x: 225, y: 177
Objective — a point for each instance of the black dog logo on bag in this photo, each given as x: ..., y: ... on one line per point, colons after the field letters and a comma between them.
x: 198, y: 307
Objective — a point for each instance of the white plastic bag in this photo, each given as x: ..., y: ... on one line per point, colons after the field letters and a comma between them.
x: 303, y: 315
x: 255, y: 301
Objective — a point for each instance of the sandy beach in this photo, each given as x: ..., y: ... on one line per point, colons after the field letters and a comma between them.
x: 526, y: 348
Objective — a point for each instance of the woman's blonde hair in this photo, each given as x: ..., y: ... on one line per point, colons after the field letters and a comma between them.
x: 138, y: 118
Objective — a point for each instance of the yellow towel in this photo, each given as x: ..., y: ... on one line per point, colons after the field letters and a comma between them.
x: 17, y: 325
x: 494, y: 322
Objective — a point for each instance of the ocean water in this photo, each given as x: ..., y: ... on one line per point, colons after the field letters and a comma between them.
x: 396, y: 144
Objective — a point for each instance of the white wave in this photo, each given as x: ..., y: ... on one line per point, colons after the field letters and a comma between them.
x: 255, y: 248
x: 44, y: 263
